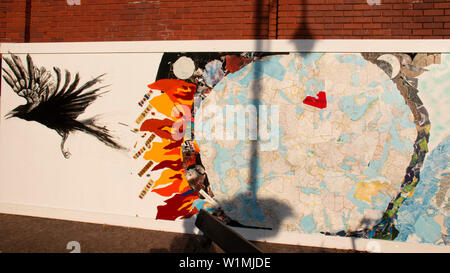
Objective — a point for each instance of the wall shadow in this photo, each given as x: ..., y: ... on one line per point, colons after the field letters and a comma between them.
x: 280, y: 210
x: 27, y: 30
x: 267, y: 213
x: 251, y: 205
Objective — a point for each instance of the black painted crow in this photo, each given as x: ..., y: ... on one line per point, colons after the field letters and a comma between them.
x: 52, y: 104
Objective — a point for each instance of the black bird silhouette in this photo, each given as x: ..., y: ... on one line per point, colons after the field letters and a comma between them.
x: 53, y: 105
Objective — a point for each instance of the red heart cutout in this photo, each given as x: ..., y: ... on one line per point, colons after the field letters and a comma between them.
x: 319, y: 102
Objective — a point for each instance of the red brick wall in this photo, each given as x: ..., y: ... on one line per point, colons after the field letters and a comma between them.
x: 124, y: 20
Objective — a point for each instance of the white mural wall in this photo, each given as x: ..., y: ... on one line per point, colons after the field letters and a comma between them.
x: 328, y: 146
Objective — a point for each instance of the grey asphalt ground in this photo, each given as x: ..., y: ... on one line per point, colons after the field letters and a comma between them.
x: 25, y: 234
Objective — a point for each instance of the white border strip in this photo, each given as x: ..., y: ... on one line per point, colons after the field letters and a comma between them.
x: 291, y: 238
x: 430, y: 46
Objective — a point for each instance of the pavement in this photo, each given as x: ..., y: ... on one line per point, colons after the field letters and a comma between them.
x: 25, y: 234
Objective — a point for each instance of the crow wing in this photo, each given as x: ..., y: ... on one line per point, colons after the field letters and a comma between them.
x: 44, y: 94
x: 30, y: 83
x: 71, y: 101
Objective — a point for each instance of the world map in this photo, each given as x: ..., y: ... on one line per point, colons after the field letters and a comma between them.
x: 305, y: 171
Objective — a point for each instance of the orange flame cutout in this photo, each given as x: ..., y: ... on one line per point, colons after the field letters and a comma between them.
x: 175, y: 103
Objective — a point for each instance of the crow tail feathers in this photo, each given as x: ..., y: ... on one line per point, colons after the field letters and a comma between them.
x: 100, y: 132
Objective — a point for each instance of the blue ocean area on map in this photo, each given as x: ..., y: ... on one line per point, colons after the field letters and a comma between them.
x: 418, y: 215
